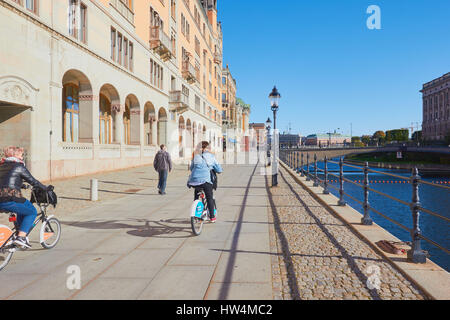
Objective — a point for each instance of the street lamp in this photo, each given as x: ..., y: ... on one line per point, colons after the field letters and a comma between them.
x: 274, y: 101
x: 268, y: 123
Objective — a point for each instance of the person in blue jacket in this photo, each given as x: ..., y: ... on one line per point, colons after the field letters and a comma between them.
x: 200, y: 178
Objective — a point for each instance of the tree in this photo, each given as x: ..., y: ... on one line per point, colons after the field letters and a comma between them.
x: 379, y: 137
x: 366, y: 139
x: 398, y: 135
x: 356, y: 141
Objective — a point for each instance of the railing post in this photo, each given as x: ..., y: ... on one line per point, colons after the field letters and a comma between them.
x: 308, y: 178
x: 416, y: 254
x: 298, y: 162
x: 325, y: 189
x: 341, y: 201
x: 316, y: 181
x: 366, y: 220
x: 301, y: 167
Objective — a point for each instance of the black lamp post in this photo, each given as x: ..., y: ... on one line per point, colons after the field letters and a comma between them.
x: 274, y: 100
x: 268, y: 123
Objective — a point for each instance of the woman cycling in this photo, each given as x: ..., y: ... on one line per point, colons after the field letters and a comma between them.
x: 200, y: 177
x: 12, y: 174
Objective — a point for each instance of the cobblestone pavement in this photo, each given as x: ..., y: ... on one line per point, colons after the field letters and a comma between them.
x: 315, y: 256
x: 74, y: 193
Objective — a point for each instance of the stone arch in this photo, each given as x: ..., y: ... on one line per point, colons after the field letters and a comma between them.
x: 17, y: 100
x: 110, y: 120
x: 77, y: 104
x: 132, y: 120
x: 150, y: 129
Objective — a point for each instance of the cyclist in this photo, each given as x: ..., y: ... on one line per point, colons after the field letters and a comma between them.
x: 12, y: 174
x: 202, y: 165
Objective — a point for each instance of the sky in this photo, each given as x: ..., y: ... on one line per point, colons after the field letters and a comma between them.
x: 333, y: 73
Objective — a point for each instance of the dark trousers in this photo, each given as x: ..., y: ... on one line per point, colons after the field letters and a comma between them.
x: 208, y: 190
x: 162, y: 180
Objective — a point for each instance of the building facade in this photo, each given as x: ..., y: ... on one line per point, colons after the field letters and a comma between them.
x: 95, y: 85
x: 290, y: 140
x: 436, y: 108
x: 235, y: 117
x: 327, y: 140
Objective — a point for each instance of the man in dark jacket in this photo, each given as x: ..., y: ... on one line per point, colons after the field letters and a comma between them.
x: 162, y: 164
x: 12, y: 175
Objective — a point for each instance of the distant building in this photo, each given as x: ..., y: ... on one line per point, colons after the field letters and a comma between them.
x: 325, y: 140
x: 259, y: 129
x: 436, y: 108
x: 290, y: 140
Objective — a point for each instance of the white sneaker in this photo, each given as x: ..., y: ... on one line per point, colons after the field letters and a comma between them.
x: 22, y: 242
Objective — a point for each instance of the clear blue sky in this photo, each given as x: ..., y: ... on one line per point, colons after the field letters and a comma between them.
x: 330, y: 69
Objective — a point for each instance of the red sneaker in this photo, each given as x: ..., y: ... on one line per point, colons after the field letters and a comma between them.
x: 213, y: 220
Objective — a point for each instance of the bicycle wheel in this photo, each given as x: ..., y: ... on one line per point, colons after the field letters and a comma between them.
x: 197, y: 217
x: 50, y: 233
x: 5, y: 257
x: 7, y: 249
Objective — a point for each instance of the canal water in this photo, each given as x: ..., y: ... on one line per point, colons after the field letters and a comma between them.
x: 432, y: 198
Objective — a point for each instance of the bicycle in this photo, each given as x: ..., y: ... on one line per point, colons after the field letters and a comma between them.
x: 49, y: 235
x: 200, y: 213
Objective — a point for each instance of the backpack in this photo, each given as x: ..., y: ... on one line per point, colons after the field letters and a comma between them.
x: 213, y: 175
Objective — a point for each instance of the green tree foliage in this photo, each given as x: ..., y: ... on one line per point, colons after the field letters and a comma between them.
x: 379, y: 137
x: 366, y: 140
x: 397, y: 135
x: 244, y: 105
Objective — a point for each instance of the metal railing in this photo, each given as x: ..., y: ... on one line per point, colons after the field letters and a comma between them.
x: 295, y: 160
x: 178, y: 97
x: 188, y: 70
x: 159, y: 38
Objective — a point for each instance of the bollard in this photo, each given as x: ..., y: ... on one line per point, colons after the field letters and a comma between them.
x: 416, y: 254
x: 308, y: 178
x: 366, y: 219
x: 325, y: 189
x: 301, y: 167
x: 341, y: 201
x: 94, y: 190
x: 316, y: 180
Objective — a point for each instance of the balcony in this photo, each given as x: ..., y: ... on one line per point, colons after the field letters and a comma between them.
x: 178, y: 101
x: 218, y: 58
x: 189, y: 72
x: 123, y: 9
x: 160, y: 42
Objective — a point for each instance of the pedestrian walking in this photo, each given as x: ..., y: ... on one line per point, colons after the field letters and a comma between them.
x: 163, y: 165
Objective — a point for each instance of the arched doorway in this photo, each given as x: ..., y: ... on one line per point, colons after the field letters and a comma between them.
x: 150, y: 129
x: 77, y: 104
x: 162, y: 126
x: 109, y: 108
x: 131, y: 120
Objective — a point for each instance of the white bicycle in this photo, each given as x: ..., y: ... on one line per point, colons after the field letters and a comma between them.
x: 200, y: 213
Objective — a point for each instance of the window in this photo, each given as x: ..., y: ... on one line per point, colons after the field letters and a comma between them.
x: 31, y: 5
x: 83, y: 23
x: 131, y: 54
x: 119, y: 48
x: 113, y: 44
x: 73, y: 21
x: 197, y: 46
x: 125, y: 53
x: 156, y: 74
x: 173, y: 9
x: 71, y: 111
